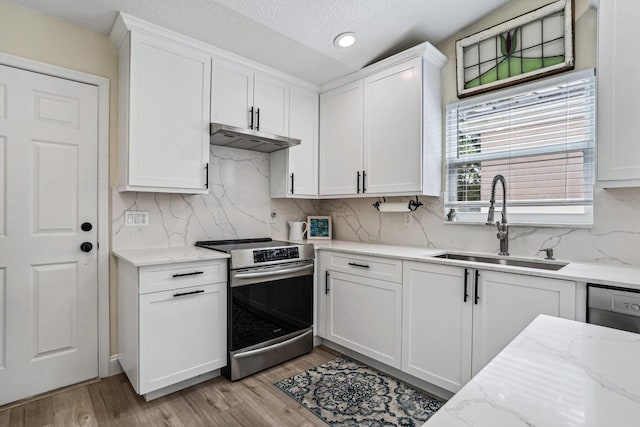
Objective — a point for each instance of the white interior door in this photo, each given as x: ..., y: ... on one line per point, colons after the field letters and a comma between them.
x: 48, y: 188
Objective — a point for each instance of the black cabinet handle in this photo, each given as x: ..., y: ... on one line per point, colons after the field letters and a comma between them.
x: 355, y: 264
x: 466, y: 292
x: 181, y: 294
x: 326, y: 282
x: 206, y: 176
x: 195, y: 273
x: 364, y: 187
x: 251, y: 115
x: 291, y: 182
x: 257, y: 119
x: 476, y: 288
x: 358, y: 181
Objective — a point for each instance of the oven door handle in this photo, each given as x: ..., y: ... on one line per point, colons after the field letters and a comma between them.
x: 272, y: 272
x: 271, y: 347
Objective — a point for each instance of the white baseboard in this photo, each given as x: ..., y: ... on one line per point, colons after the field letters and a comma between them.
x: 182, y: 384
x: 114, y: 366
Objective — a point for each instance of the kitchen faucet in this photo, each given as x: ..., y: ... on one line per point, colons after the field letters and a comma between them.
x: 503, y: 227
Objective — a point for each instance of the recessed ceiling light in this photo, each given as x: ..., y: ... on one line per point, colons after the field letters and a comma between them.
x: 345, y: 39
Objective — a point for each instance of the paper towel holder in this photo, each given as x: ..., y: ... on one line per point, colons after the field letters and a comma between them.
x: 412, y: 206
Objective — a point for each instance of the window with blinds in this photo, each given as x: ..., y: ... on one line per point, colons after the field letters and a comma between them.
x: 540, y: 136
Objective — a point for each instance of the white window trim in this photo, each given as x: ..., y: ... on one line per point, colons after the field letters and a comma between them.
x: 575, y: 220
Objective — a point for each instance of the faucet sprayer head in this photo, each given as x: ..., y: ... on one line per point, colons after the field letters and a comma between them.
x: 490, y: 215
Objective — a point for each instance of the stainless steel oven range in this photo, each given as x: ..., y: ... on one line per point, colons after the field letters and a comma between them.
x: 270, y: 303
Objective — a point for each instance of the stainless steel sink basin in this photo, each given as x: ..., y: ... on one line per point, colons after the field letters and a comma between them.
x: 544, y: 265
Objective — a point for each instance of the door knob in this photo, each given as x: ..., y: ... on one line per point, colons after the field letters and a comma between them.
x: 86, y: 247
x: 86, y: 226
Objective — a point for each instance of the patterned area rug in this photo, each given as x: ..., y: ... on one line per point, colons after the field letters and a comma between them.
x: 344, y: 393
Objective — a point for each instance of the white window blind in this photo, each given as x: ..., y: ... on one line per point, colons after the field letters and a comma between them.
x: 540, y: 136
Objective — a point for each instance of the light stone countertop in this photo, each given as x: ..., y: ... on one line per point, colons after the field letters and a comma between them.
x: 599, y: 273
x: 556, y: 373
x: 155, y: 256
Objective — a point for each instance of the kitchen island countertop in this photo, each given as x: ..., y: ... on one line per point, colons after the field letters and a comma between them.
x: 556, y: 373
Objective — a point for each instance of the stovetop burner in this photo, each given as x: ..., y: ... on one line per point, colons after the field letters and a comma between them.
x: 239, y: 244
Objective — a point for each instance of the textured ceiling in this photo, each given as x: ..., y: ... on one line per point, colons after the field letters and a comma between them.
x: 295, y: 36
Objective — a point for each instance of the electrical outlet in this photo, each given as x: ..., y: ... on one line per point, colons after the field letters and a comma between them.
x: 136, y: 218
x: 273, y: 219
x: 408, y: 219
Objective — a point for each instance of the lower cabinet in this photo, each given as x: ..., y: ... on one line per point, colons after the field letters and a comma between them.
x: 172, y: 322
x: 455, y: 320
x: 436, y: 333
x: 364, y: 315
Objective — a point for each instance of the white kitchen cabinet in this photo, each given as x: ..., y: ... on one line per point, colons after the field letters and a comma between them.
x: 364, y: 315
x: 164, y: 115
x: 437, y: 324
x: 172, y: 323
x: 294, y: 171
x: 381, y: 134
x: 341, y: 140
x: 393, y: 129
x: 507, y: 303
x: 245, y: 98
x: 452, y: 327
x: 618, y: 95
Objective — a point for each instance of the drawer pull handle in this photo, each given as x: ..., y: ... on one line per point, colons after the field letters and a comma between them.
x: 181, y: 294
x: 355, y: 264
x: 195, y: 273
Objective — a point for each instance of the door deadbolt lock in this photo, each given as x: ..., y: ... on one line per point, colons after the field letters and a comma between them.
x: 86, y: 226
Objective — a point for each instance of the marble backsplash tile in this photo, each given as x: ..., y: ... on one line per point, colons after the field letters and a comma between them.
x: 614, y: 237
x: 238, y: 206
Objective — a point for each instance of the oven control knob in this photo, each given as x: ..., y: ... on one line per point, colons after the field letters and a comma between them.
x: 635, y: 307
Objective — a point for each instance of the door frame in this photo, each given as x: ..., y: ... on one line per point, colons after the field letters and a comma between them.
x: 103, y: 229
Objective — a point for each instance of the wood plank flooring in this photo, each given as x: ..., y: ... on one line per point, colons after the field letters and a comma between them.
x: 253, y: 401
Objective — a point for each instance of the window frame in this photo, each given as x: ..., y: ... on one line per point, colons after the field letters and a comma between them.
x: 583, y: 211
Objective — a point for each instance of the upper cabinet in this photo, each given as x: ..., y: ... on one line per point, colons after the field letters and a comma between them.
x: 618, y: 96
x: 380, y: 134
x: 294, y: 172
x: 164, y: 125
x: 247, y: 99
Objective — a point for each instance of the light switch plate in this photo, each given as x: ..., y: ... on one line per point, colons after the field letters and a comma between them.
x: 136, y: 218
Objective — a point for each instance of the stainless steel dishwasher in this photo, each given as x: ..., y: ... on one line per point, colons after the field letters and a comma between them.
x: 613, y: 307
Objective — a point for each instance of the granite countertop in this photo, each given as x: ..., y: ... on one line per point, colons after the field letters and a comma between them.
x: 600, y: 273
x: 155, y: 256
x: 556, y: 373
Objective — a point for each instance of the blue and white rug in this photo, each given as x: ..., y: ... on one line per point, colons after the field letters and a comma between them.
x: 345, y: 393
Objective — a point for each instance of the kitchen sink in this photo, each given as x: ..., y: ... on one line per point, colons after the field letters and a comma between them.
x: 544, y: 265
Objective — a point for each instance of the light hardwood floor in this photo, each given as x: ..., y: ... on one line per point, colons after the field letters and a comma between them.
x: 252, y: 401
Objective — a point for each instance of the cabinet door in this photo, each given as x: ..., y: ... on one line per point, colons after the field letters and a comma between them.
x: 393, y: 129
x: 271, y: 97
x: 169, y: 115
x: 341, y: 140
x: 436, y: 331
x: 183, y: 333
x: 303, y: 159
x: 507, y: 303
x: 231, y: 94
x: 618, y: 97
x: 365, y: 315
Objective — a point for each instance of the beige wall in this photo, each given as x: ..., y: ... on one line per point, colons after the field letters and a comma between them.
x: 29, y: 35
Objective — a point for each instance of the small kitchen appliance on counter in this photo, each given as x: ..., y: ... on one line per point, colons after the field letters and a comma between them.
x: 270, y: 302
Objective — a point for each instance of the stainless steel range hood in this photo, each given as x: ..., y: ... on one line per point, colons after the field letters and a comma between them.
x: 247, y: 139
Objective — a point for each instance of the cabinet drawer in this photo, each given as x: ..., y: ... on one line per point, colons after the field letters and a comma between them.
x: 377, y: 268
x: 164, y: 277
